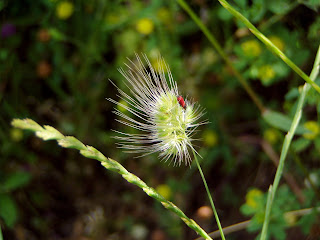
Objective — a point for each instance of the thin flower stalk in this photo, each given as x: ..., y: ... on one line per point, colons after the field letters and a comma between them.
x: 168, y: 120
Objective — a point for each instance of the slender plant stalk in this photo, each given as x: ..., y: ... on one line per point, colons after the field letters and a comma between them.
x: 50, y: 133
x: 209, y: 195
x: 268, y: 43
x: 286, y: 144
x: 220, y: 51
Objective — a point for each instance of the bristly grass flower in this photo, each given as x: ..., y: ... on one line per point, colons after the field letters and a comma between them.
x: 166, y: 120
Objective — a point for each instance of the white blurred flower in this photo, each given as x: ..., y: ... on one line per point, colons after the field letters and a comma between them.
x: 166, y: 120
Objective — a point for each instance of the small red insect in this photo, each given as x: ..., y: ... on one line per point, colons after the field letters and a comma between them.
x: 181, y: 102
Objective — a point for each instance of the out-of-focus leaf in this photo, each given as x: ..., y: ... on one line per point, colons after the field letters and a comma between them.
x: 8, y: 210
x: 279, y: 7
x: 223, y: 14
x: 281, y: 121
x: 300, y: 144
x: 15, y: 180
x: 257, y: 10
x: 57, y: 35
x: 242, y: 3
x: 313, y: 4
x: 2, y: 5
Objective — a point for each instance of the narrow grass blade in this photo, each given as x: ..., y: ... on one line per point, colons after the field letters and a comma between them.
x: 209, y: 196
x: 286, y: 144
x: 268, y: 43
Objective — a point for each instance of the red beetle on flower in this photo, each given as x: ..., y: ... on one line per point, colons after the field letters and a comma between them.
x: 181, y: 102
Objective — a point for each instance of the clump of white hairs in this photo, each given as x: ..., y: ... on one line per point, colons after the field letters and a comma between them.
x: 167, y: 121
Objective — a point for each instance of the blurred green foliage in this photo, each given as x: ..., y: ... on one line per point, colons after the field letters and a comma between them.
x: 56, y: 58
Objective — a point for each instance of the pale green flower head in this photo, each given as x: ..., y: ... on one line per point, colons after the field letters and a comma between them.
x: 166, y: 120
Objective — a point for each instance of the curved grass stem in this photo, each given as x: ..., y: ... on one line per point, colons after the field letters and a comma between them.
x: 209, y: 196
x: 269, y: 44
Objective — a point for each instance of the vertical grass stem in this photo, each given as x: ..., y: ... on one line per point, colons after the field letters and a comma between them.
x: 209, y: 195
x: 286, y: 144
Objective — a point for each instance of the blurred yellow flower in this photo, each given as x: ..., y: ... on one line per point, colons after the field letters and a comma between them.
x: 210, y: 138
x: 266, y: 73
x: 16, y: 134
x: 278, y: 42
x: 145, y: 26
x: 251, y: 48
x: 112, y: 18
x: 64, y: 9
x: 290, y: 219
x: 164, y: 15
x: 314, y: 129
x: 209, y: 56
x: 164, y: 190
x: 271, y: 135
x: 252, y: 197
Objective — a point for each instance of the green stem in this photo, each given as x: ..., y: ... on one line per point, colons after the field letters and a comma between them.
x: 286, y: 144
x: 220, y: 51
x: 209, y: 195
x: 268, y: 43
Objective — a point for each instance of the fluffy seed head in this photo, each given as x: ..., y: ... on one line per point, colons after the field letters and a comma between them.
x: 166, y: 120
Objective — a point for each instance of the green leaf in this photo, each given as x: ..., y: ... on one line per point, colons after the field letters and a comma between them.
x: 278, y: 231
x: 307, y: 221
x: 57, y: 35
x: 2, y: 6
x: 247, y: 210
x: 317, y: 143
x: 281, y: 121
x: 224, y: 15
x: 300, y: 144
x: 242, y: 3
x: 257, y: 10
x: 279, y: 7
x: 15, y: 180
x: 8, y: 210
